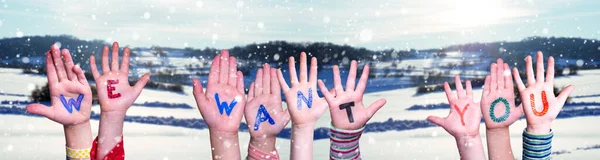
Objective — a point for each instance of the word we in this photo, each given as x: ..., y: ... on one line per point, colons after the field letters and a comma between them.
x: 348, y: 106
x: 110, y: 88
x: 261, y: 116
x: 223, y: 106
x: 308, y: 100
x: 544, y: 102
x: 506, y: 111
x: 461, y: 113
x: 72, y: 103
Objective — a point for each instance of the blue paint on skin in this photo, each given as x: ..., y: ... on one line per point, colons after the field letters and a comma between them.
x: 308, y: 100
x: 72, y: 103
x: 224, y: 106
x: 261, y: 116
x: 506, y: 111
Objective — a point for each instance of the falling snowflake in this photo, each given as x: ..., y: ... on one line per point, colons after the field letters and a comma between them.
x: 19, y: 34
x: 326, y: 19
x: 239, y: 4
x: 366, y: 35
x: 147, y: 15
x: 199, y: 4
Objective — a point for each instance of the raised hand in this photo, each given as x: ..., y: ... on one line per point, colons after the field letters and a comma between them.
x: 114, y: 92
x: 498, y: 98
x: 346, y: 107
x: 540, y: 104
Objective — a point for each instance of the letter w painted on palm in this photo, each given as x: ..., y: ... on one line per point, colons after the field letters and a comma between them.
x: 72, y: 103
x: 224, y: 107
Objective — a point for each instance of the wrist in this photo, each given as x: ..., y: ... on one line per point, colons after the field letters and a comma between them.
x: 468, y: 140
x: 78, y: 136
x: 304, y: 126
x: 538, y: 128
x: 502, y: 130
x: 266, y: 144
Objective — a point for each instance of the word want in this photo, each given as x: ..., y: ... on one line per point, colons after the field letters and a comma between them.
x: 348, y: 106
x: 261, y: 116
x: 308, y: 100
x: 461, y: 113
x: 223, y: 107
x: 544, y: 102
x: 72, y: 103
x: 506, y: 112
x: 110, y: 88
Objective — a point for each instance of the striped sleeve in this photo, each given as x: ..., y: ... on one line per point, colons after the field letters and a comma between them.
x: 344, y: 143
x: 537, y: 146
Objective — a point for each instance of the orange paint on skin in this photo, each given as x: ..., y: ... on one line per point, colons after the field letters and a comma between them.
x: 461, y: 113
x: 544, y: 102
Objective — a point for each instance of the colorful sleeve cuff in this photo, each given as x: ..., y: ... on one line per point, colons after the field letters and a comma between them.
x: 344, y: 143
x: 256, y: 153
x: 537, y: 146
x: 117, y: 153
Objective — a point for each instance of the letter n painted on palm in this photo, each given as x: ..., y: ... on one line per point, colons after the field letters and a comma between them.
x: 302, y: 98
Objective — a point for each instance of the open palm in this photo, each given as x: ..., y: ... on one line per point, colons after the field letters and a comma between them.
x: 70, y: 93
x: 222, y: 104
x: 498, y: 98
x: 351, y: 99
x: 114, y: 92
x: 465, y: 115
x: 310, y: 107
x: 540, y: 104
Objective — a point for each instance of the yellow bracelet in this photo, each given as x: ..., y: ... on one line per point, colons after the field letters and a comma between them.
x: 78, y: 153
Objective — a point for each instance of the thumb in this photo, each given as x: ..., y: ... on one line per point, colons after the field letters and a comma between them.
x: 39, y: 109
x: 437, y: 120
x: 375, y: 106
x: 564, y: 94
x: 139, y: 86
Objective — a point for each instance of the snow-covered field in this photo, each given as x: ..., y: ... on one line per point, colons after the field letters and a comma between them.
x: 25, y: 137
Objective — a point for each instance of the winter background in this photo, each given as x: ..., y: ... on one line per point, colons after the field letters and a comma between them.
x: 412, y: 46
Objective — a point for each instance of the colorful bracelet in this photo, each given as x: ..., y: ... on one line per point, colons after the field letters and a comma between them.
x: 537, y: 146
x: 78, y: 153
x: 344, y: 143
x: 256, y: 153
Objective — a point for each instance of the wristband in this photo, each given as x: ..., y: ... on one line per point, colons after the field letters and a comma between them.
x: 78, y: 153
x: 537, y: 146
x: 255, y: 153
x: 344, y: 143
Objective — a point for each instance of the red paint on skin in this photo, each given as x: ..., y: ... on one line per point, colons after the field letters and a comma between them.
x: 461, y: 113
x: 544, y: 103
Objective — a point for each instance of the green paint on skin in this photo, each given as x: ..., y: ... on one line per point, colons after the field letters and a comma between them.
x: 506, y: 112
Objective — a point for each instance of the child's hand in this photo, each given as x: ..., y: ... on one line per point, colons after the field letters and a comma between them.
x: 114, y: 93
x: 465, y: 115
x: 70, y: 93
x: 263, y: 112
x: 222, y: 104
x: 539, y: 102
x: 304, y: 104
x: 346, y: 107
x: 498, y: 98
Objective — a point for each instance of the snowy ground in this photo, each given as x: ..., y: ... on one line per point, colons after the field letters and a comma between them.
x: 23, y: 135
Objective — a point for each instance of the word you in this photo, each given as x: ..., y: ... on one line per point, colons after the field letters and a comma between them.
x: 506, y: 112
x: 110, y: 88
x: 308, y: 100
x: 71, y: 103
x: 544, y: 102
x: 461, y: 113
x: 261, y: 116
x: 224, y: 107
x: 348, y: 107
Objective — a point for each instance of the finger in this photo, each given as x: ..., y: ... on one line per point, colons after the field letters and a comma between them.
x: 199, y: 92
x: 332, y: 91
x: 275, y: 86
x: 469, y: 90
x: 139, y: 86
x: 351, y: 81
x: 448, y: 91
x: 40, y: 109
x: 251, y: 92
x: 362, y: 82
x: 529, y: 65
x: 313, y: 71
x: 460, y: 92
x: 540, y: 67
x: 436, y: 120
x: 493, y: 77
x: 324, y: 90
x: 93, y: 67
x: 258, y: 90
x: 564, y: 94
x: 266, y: 79
x: 114, y: 62
x: 125, y: 61
x: 50, y: 69
x: 550, y: 70
x: 105, y: 68
x: 500, y: 74
x: 282, y: 82
x: 69, y: 65
x: 232, y: 71
x: 337, y: 81
x: 224, y: 70
x: 79, y: 74
x: 240, y: 81
x: 487, y: 85
x: 303, y: 68
x: 292, y: 69
x: 59, y: 65
x: 375, y: 106
x: 518, y: 80
x: 508, y: 82
x: 214, y: 73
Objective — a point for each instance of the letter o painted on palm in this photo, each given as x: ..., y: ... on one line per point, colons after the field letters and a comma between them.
x: 506, y: 112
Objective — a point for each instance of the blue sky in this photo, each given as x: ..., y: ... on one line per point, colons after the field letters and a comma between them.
x: 374, y: 24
